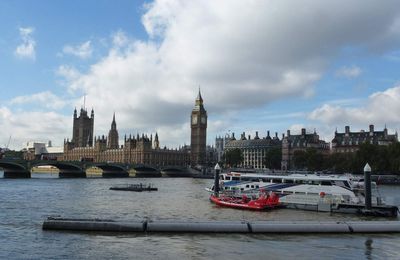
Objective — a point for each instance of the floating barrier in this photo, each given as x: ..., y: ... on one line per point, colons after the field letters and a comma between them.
x: 257, y: 227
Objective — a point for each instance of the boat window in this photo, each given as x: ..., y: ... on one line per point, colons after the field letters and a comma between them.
x: 257, y: 186
x: 326, y: 183
x: 277, y: 180
x: 288, y: 181
x: 252, y: 186
x: 235, y: 178
x: 346, y: 183
x: 242, y: 189
x: 247, y: 186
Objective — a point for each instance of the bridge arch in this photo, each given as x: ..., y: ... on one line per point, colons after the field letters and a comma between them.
x: 67, y: 170
x: 112, y: 170
x: 15, y: 170
x: 144, y: 171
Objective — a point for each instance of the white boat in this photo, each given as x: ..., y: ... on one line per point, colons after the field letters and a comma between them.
x: 299, y: 190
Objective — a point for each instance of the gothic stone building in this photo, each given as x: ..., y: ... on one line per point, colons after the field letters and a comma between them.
x: 198, y: 135
x: 82, y: 133
x: 253, y: 150
x: 349, y: 142
x: 135, y: 150
x: 301, y: 142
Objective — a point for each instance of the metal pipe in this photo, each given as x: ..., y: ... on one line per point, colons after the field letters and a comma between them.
x: 260, y: 227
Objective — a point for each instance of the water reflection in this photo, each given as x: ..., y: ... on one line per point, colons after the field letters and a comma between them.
x: 368, y: 248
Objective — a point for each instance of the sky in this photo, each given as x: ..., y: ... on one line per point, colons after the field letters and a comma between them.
x: 260, y: 65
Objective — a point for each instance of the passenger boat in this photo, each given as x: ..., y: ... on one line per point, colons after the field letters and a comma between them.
x: 298, y: 189
x: 262, y: 202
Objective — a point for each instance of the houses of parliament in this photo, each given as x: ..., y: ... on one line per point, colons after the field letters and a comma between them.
x: 139, y: 149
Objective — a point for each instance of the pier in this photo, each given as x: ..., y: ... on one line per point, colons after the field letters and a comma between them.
x: 250, y: 227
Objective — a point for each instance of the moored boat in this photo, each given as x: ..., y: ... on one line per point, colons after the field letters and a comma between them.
x: 262, y: 202
x: 135, y: 187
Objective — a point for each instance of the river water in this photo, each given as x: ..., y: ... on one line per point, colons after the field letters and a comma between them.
x: 26, y: 203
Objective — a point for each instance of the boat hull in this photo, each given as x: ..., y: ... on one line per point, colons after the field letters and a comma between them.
x: 262, y: 203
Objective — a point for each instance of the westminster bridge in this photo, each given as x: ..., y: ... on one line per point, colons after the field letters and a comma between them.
x: 77, y: 169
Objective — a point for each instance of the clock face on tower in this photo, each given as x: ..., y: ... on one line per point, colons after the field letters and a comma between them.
x: 203, y: 119
x: 194, y: 119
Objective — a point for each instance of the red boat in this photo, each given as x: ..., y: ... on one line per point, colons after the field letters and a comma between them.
x: 261, y: 203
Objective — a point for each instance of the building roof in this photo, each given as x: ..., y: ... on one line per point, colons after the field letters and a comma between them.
x: 252, y: 143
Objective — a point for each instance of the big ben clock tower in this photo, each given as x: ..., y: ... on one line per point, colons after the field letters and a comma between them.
x: 198, y: 123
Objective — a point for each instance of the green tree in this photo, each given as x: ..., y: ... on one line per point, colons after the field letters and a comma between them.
x: 273, y: 158
x: 300, y: 159
x: 233, y: 157
x: 314, y: 159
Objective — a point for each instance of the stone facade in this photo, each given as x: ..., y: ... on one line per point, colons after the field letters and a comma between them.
x: 253, y: 150
x: 349, y: 142
x: 113, y: 142
x: 301, y: 142
x: 82, y: 130
x: 135, y: 150
x: 198, y: 135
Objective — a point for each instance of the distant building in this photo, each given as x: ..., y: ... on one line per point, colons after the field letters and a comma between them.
x: 82, y: 130
x: 113, y: 135
x: 35, y: 150
x: 301, y: 142
x: 219, y: 147
x: 349, y: 142
x: 138, y: 150
x: 198, y: 135
x: 254, y: 150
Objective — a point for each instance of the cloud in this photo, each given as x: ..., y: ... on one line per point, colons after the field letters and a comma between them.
x: 27, y: 48
x: 349, y: 72
x: 380, y: 108
x: 42, y: 126
x: 119, y: 38
x: 243, y: 54
x: 82, y: 51
x: 43, y: 99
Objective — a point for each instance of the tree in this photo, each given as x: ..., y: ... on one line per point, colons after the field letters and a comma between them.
x: 233, y: 157
x: 300, y: 159
x: 273, y: 158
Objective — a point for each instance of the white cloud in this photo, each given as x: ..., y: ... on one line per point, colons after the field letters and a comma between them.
x: 380, y: 108
x: 119, y: 38
x: 82, y: 51
x: 349, y: 72
x: 43, y: 99
x: 27, y: 48
x: 41, y: 125
x: 244, y: 54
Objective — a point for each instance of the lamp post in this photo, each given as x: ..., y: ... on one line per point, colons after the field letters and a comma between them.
x: 216, y: 179
x: 367, y: 186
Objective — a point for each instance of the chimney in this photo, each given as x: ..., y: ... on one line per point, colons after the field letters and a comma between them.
x: 347, y: 129
x: 371, y: 128
x: 303, y: 131
x: 288, y: 133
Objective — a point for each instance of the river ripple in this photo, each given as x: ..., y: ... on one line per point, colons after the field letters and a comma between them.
x: 25, y: 203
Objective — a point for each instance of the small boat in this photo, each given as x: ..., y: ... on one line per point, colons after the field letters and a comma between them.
x: 135, y: 187
x: 263, y: 202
